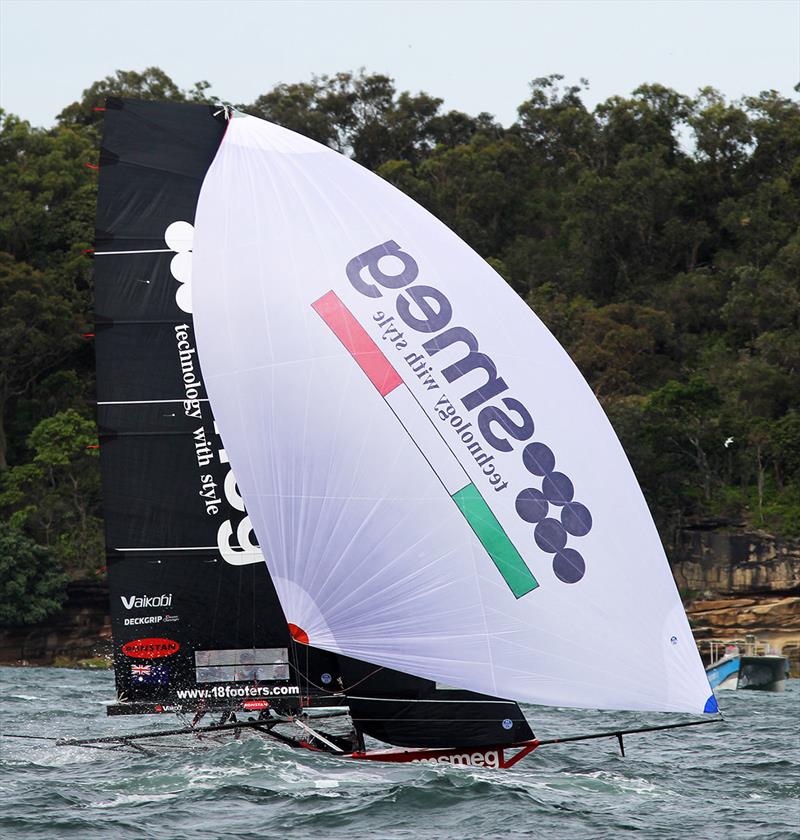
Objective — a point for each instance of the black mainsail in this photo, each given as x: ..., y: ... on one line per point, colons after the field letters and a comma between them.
x: 195, y: 619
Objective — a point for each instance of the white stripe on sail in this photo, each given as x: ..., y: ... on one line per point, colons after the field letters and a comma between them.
x: 179, y: 548
x: 148, y: 402
x: 141, y: 251
x: 428, y: 440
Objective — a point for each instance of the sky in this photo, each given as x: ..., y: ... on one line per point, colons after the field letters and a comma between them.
x: 476, y: 56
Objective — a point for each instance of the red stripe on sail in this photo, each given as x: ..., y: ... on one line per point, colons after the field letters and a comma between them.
x: 355, y: 339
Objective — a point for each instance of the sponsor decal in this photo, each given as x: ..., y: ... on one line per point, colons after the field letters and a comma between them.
x: 255, y: 705
x: 149, y: 602
x: 479, y: 423
x: 244, y: 549
x: 490, y: 758
x: 229, y: 692
x: 179, y: 237
x: 235, y: 536
x: 144, y: 619
x: 150, y: 674
x: 150, y: 648
x: 149, y: 619
x: 173, y: 707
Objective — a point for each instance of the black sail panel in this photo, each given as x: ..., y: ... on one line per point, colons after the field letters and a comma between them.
x: 195, y: 618
x: 410, y: 711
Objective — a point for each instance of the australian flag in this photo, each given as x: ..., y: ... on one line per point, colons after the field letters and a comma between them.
x: 150, y: 674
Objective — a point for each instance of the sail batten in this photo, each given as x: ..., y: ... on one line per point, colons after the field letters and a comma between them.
x: 435, y: 485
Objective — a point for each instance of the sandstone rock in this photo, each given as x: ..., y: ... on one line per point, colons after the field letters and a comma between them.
x: 722, y: 603
x: 734, y: 563
x: 740, y: 616
x: 81, y: 630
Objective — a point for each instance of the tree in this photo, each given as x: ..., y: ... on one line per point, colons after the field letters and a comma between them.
x: 683, y: 423
x: 55, y: 497
x: 32, y: 586
x: 39, y: 328
x: 321, y: 109
x: 627, y: 223
x: 362, y: 115
x: 151, y: 83
x: 784, y: 447
x: 775, y: 121
x: 477, y: 188
x: 555, y: 124
x: 48, y: 196
x: 623, y: 348
x: 656, y: 235
x: 722, y: 133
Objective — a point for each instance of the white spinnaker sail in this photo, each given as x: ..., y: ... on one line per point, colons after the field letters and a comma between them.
x: 432, y: 481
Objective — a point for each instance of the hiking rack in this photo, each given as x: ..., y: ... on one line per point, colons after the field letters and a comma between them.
x: 324, y: 742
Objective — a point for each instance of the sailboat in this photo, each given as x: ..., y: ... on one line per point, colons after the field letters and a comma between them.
x: 198, y: 630
x: 430, y: 519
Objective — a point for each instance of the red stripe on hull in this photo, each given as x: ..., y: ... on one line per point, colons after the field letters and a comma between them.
x: 491, y: 757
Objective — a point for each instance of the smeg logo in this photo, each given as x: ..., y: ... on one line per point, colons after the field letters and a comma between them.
x: 179, y: 237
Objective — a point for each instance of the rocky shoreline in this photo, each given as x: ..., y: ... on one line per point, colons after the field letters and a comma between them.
x: 733, y: 584
x: 80, y: 632
x: 740, y: 584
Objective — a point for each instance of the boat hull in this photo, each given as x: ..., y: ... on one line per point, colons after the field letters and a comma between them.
x: 724, y: 675
x: 496, y: 757
x: 763, y: 673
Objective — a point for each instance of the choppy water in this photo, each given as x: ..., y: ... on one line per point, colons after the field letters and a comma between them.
x: 740, y: 779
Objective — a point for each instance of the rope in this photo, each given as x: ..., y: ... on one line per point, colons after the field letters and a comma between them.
x: 324, y: 690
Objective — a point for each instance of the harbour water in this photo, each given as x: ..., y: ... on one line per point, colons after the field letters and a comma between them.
x: 737, y: 779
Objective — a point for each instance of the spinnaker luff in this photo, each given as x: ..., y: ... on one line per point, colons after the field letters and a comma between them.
x: 433, y: 483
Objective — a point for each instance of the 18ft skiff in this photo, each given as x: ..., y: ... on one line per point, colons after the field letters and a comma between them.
x: 447, y: 516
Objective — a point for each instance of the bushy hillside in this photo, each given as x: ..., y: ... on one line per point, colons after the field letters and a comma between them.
x: 656, y: 235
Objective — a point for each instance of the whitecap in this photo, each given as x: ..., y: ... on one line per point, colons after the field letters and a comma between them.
x: 133, y: 799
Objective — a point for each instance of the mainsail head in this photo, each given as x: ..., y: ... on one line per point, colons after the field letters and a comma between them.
x: 435, y: 486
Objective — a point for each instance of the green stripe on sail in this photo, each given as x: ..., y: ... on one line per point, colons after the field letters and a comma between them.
x: 494, y: 539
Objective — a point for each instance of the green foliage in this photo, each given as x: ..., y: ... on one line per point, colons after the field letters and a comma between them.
x: 55, y: 496
x: 363, y: 115
x: 92, y: 663
x: 39, y: 323
x: 152, y: 83
x: 47, y: 194
x: 32, y: 587
x: 657, y: 235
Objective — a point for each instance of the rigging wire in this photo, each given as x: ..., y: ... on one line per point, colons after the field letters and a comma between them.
x: 343, y: 690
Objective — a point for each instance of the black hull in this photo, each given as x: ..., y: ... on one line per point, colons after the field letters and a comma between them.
x: 763, y: 673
